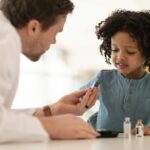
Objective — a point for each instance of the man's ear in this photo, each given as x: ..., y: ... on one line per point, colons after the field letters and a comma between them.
x: 33, y: 27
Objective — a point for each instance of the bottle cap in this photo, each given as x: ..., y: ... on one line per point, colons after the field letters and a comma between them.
x: 127, y: 118
x: 139, y: 119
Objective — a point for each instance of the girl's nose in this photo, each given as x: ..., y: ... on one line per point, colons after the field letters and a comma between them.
x: 120, y: 55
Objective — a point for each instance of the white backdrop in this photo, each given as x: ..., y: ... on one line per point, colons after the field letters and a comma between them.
x: 75, y: 58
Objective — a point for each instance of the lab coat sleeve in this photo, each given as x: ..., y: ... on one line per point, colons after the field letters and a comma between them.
x: 29, y: 111
x: 20, y: 127
x: 14, y: 126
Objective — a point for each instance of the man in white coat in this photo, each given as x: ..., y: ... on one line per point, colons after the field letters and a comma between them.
x: 30, y: 27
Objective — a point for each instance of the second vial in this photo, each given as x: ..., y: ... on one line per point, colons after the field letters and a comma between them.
x: 127, y: 127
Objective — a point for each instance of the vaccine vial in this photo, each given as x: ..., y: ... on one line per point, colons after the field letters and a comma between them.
x: 127, y: 127
x: 139, y: 128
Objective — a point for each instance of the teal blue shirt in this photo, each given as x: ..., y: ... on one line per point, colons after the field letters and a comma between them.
x: 119, y: 98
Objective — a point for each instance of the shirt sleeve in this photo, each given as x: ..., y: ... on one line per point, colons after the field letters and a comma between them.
x: 20, y: 127
x: 91, y: 81
x: 29, y: 111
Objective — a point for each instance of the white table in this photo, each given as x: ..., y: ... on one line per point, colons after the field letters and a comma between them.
x: 118, y: 143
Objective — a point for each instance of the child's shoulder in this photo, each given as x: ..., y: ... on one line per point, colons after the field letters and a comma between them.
x: 147, y: 76
x: 108, y: 72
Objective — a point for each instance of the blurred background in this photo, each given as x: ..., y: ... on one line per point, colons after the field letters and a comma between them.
x: 73, y: 60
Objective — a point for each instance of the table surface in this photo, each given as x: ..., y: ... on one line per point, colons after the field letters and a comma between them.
x: 119, y: 143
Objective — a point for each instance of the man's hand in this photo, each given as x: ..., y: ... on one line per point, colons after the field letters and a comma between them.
x: 73, y: 103
x: 67, y: 127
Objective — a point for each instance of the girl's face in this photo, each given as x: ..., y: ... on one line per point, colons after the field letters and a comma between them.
x: 126, y: 55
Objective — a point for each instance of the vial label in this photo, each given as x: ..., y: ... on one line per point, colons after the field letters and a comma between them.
x: 139, y: 131
x: 127, y: 130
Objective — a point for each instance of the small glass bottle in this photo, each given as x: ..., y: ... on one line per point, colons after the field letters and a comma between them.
x: 127, y: 127
x: 139, y: 128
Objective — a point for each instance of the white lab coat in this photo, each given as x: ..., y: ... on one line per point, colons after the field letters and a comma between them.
x: 15, y: 125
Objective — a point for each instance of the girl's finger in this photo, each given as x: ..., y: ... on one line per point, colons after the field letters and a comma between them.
x: 86, y: 97
x: 92, y: 98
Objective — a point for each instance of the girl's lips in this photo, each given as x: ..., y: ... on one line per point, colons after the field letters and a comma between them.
x: 121, y: 66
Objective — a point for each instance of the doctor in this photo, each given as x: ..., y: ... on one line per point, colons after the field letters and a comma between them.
x: 30, y: 27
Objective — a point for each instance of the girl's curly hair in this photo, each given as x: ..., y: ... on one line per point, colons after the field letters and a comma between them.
x: 136, y: 23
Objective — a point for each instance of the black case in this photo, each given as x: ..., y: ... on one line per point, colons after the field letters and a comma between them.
x: 107, y: 134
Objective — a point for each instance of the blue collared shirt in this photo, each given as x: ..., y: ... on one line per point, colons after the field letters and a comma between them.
x: 119, y: 98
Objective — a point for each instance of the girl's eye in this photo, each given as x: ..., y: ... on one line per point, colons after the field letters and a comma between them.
x: 114, y: 50
x: 131, y: 53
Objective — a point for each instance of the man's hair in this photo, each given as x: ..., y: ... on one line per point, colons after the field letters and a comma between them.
x: 135, y: 23
x: 20, y: 12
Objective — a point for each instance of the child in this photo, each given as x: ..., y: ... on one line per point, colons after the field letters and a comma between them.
x: 124, y: 91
